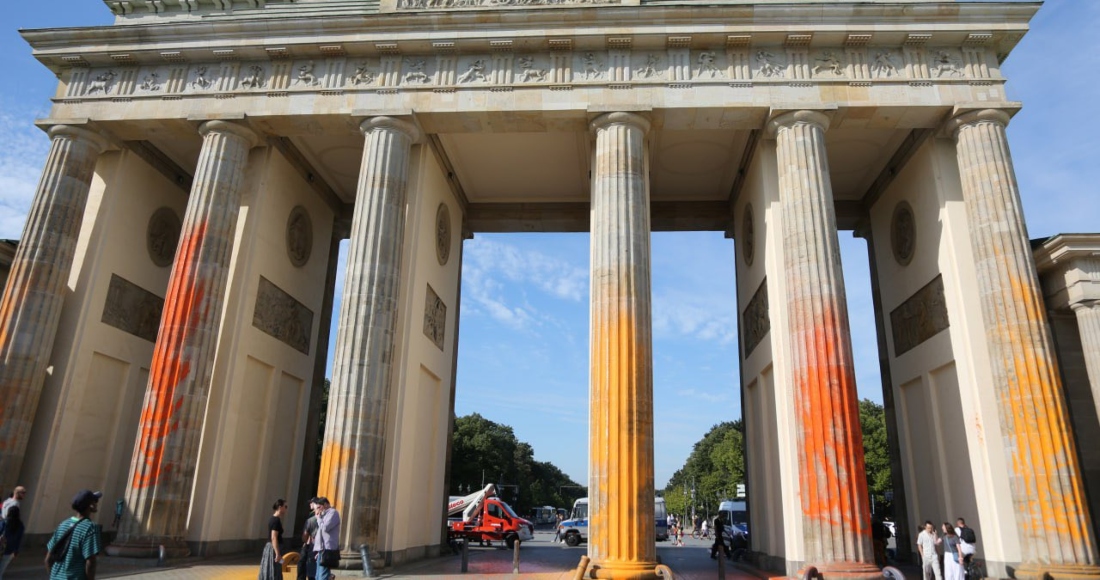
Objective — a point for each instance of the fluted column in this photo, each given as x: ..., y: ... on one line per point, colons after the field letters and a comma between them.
x: 1088, y: 326
x: 31, y: 306
x: 1052, y: 515
x: 621, y: 540
x: 162, y: 471
x: 354, y: 452
x: 835, y: 512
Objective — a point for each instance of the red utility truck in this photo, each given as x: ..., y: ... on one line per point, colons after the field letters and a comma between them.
x: 485, y: 517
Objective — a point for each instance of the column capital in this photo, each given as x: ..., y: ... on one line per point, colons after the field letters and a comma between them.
x: 1084, y: 305
x: 792, y: 118
x: 98, y: 141
x: 392, y: 123
x: 219, y: 126
x: 619, y: 118
x: 975, y: 117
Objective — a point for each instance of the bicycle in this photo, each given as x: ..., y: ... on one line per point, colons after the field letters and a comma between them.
x: 700, y: 535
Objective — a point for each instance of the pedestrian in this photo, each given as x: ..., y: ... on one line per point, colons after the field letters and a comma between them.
x: 327, y: 545
x: 16, y: 499
x: 679, y: 534
x: 695, y: 523
x: 77, y: 540
x: 557, y: 527
x: 967, y: 541
x: 12, y: 526
x: 704, y: 528
x: 952, y: 559
x: 271, y: 564
x: 307, y: 564
x: 719, y: 541
x: 927, y: 541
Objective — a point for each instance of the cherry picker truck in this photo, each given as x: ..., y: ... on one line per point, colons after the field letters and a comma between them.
x: 484, y: 517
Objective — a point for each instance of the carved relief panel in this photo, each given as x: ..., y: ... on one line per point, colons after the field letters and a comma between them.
x: 435, y: 318
x: 919, y: 318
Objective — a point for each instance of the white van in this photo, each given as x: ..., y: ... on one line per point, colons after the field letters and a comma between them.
x: 575, y: 529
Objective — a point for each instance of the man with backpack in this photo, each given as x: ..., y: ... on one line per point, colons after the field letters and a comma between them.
x: 967, y: 541
x: 71, y: 552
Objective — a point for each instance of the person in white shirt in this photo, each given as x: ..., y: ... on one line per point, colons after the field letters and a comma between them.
x: 927, y: 542
x: 328, y: 536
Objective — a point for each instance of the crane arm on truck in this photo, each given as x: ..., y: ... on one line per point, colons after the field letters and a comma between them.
x: 470, y: 505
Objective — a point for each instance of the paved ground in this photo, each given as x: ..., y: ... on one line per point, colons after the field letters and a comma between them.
x: 540, y: 559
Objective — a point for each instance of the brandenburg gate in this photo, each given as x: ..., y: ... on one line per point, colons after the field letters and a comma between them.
x: 164, y: 331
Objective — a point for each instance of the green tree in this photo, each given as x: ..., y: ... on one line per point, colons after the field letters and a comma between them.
x: 876, y: 454
x: 486, y: 452
x: 715, y: 467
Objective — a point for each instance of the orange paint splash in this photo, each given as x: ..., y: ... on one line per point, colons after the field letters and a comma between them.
x: 334, y: 458
x: 184, y: 312
x: 831, y: 476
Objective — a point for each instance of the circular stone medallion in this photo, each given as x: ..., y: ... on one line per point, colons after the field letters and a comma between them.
x: 162, y: 236
x: 903, y: 234
x: 748, y: 244
x: 443, y: 234
x: 299, y: 236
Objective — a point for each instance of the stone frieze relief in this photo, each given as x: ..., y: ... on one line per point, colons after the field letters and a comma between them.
x: 446, y: 70
x: 449, y: 4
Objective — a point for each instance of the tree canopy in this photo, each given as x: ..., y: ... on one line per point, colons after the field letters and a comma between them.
x: 486, y: 452
x: 714, y: 468
x: 717, y: 464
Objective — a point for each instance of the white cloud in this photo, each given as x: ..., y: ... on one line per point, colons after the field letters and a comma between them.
x: 496, y: 277
x: 23, y: 150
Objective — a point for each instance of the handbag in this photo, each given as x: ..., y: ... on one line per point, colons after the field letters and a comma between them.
x: 329, y: 558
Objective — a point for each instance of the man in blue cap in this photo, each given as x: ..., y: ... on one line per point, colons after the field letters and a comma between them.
x: 71, y: 552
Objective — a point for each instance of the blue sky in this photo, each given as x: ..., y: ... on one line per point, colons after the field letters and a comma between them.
x: 523, y: 356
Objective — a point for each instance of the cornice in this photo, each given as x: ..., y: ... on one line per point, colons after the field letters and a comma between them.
x: 1000, y: 25
x: 1064, y: 248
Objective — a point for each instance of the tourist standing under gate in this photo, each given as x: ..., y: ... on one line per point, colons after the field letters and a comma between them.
x: 952, y: 558
x: 271, y: 565
x: 78, y: 541
x: 326, y: 547
x: 307, y: 563
x: 926, y: 547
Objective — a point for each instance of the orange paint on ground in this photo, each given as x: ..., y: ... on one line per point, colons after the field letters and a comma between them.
x: 161, y: 415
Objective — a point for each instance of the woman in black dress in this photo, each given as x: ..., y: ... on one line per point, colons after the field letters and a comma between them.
x: 271, y: 566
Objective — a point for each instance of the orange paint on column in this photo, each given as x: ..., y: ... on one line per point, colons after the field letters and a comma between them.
x: 334, y: 458
x: 183, y: 311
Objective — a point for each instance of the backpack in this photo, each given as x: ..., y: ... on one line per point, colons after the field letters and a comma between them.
x: 967, y: 535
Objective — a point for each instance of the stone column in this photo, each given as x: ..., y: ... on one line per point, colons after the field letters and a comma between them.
x: 162, y: 471
x: 1052, y: 515
x: 836, y: 518
x: 354, y: 454
x: 31, y: 306
x: 1088, y: 325
x: 622, y: 532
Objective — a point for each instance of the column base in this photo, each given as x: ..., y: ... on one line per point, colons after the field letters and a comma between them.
x: 623, y: 570
x: 1036, y: 571
x: 148, y: 547
x: 845, y: 571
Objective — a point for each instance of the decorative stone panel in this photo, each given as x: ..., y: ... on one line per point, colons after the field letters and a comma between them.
x: 919, y: 318
x: 162, y: 236
x: 132, y: 309
x: 755, y: 322
x: 279, y: 315
x: 435, y: 318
